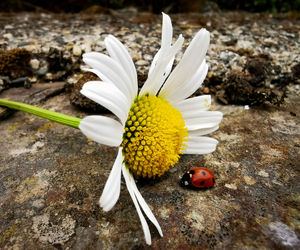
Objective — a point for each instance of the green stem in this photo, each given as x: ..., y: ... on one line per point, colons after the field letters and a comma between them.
x: 50, y: 115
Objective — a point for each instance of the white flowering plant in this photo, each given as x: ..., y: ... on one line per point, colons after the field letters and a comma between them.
x: 153, y: 127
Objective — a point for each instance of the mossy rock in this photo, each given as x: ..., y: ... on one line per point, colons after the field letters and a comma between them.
x: 82, y: 102
x: 15, y: 63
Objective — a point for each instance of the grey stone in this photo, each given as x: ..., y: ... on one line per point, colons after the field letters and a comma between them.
x: 42, y: 71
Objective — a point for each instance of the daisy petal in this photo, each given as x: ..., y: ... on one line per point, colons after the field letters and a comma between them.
x: 109, y: 70
x: 167, y: 32
x: 122, y: 88
x: 202, y: 102
x: 191, y: 85
x: 120, y: 53
x: 102, y: 129
x: 166, y: 40
x: 111, y: 191
x: 188, y: 65
x: 144, y: 206
x: 204, y: 119
x: 145, y: 226
x: 203, y: 131
x: 154, y: 62
x: 200, y: 145
x: 191, y: 114
x: 109, y: 96
x: 156, y: 78
x: 167, y: 70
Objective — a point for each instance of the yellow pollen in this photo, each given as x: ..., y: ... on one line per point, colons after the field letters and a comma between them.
x: 154, y: 137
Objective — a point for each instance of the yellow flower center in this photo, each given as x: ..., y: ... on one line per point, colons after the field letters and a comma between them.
x: 153, y: 137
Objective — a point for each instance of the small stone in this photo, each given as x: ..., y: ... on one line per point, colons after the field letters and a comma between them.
x: 35, y: 64
x: 33, y: 48
x: 244, y: 44
x: 45, y: 50
x: 72, y: 80
x: 249, y: 180
x: 60, y: 40
x: 39, y: 145
x: 231, y: 186
x: 69, y: 46
x: 86, y: 47
x: 32, y: 79
x: 77, y: 50
x: 206, y: 90
x: 19, y: 81
x: 8, y: 27
x: 39, y: 203
x: 23, y: 43
x: 1, y: 84
x: 141, y: 63
x: 42, y: 71
x: 263, y: 173
x: 90, y: 151
x: 49, y: 76
x: 8, y: 36
x: 136, y: 56
x: 148, y: 57
x: 231, y: 42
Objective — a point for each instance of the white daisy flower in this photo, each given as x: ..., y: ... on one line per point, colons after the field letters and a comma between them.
x: 156, y: 126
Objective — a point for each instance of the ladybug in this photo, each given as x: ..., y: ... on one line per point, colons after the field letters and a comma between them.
x: 198, y: 178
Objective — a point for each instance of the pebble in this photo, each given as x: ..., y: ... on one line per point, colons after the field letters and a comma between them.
x: 244, y: 44
x: 32, y: 79
x: 49, y: 76
x: 24, y: 43
x: 2, y: 86
x: 19, y: 81
x: 8, y: 26
x: 141, y: 63
x: 39, y: 203
x: 86, y: 47
x: 8, y: 36
x: 148, y: 57
x: 69, y: 46
x: 263, y: 173
x: 35, y: 64
x: 231, y: 186
x: 77, y: 50
x: 42, y: 71
x: 249, y: 180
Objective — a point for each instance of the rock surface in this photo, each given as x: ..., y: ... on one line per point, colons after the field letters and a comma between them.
x: 52, y: 176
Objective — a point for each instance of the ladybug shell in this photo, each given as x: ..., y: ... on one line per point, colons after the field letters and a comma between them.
x: 199, y: 178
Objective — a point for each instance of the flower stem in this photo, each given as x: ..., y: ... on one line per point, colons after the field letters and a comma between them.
x: 44, y: 113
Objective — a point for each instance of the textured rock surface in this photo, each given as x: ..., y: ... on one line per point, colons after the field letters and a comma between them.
x: 52, y: 176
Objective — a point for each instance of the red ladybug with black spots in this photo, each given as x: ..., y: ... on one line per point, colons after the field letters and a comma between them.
x: 198, y: 178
